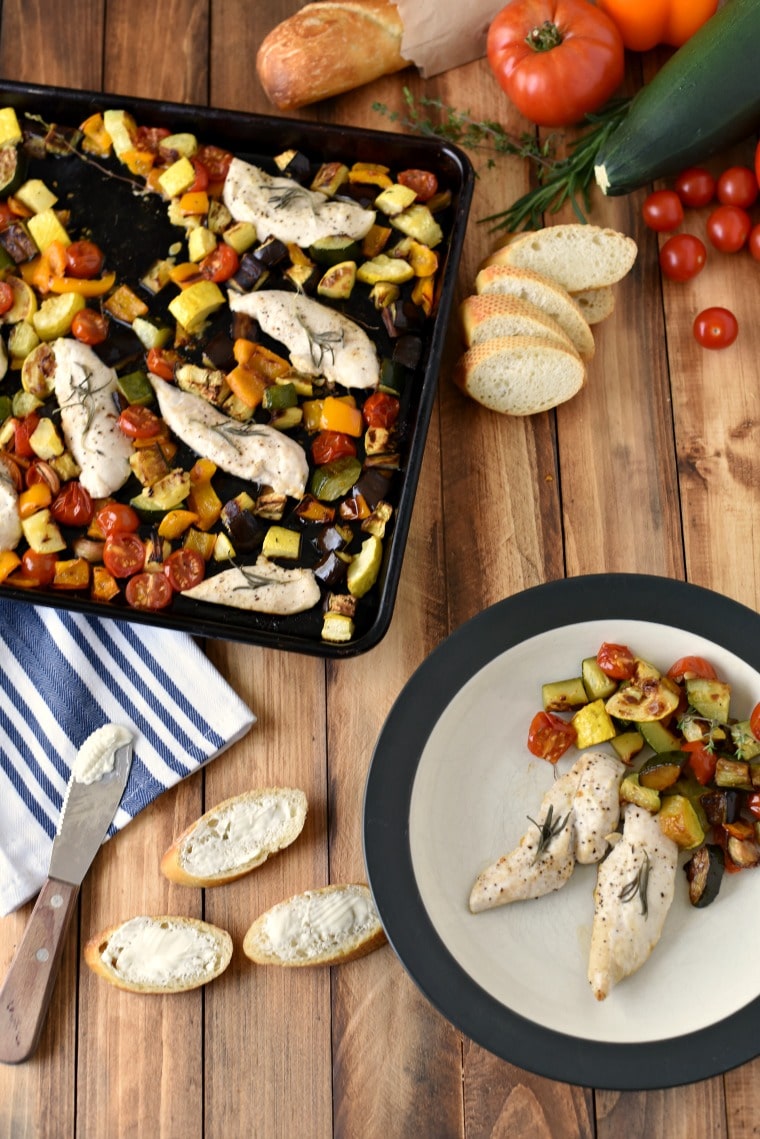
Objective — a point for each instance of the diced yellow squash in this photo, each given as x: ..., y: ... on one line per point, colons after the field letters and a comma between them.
x: 337, y: 628
x: 195, y: 304
x: 42, y: 533
x: 395, y: 199
x: 280, y: 542
x: 36, y: 196
x: 45, y: 228
x: 365, y: 566
x: 177, y: 178
x: 593, y: 724
x: 24, y: 302
x: 121, y: 129
x: 55, y: 315
x: 223, y: 549
x: 166, y: 494
x: 152, y: 335
x: 646, y: 698
x: 45, y: 440
x: 200, y: 243
x: 10, y: 131
x: 418, y: 222
x: 384, y: 268
x: 184, y: 144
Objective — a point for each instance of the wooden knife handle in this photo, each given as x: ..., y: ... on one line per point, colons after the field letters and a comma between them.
x: 28, y: 987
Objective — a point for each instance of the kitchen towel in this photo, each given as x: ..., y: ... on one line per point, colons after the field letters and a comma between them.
x: 62, y: 675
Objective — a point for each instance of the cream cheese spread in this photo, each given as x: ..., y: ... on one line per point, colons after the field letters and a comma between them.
x: 147, y: 951
x: 97, y: 754
x: 317, y: 921
x: 241, y: 832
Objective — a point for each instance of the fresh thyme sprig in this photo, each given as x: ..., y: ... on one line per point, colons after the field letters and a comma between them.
x: 86, y: 158
x: 638, y: 886
x: 548, y: 831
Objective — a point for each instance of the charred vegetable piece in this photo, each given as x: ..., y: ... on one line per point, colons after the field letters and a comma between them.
x: 627, y: 745
x: 647, y: 697
x: 562, y: 695
x: 631, y: 791
x: 704, y: 871
x: 733, y: 773
x: 710, y: 698
x: 721, y: 807
x: 662, y: 770
x: 334, y: 480
x: 678, y: 820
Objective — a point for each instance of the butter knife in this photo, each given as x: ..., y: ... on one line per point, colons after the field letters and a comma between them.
x: 92, y: 797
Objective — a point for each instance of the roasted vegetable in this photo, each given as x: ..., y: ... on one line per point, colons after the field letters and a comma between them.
x: 704, y: 871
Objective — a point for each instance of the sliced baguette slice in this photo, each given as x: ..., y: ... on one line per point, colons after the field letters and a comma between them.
x: 596, y: 304
x: 235, y: 837
x: 161, y: 954
x: 328, y: 926
x: 545, y: 294
x: 520, y: 375
x: 577, y: 256
x: 496, y: 314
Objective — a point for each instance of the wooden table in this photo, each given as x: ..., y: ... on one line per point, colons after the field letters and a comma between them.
x: 653, y: 468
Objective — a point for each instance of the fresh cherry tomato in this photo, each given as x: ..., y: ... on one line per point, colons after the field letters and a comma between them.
x: 73, y: 506
x: 695, y: 187
x: 737, y: 186
x: 701, y: 760
x: 682, y: 257
x: 715, y: 327
x: 220, y: 264
x: 754, y: 721
x: 161, y: 362
x: 140, y: 422
x: 215, y: 160
x: 39, y: 567
x: 90, y: 327
x: 185, y: 568
x: 148, y: 591
x: 753, y: 242
x: 124, y: 554
x: 423, y: 182
x: 662, y: 211
x: 23, y: 432
x: 550, y: 736
x: 687, y: 668
x: 84, y: 259
x: 116, y: 518
x: 557, y: 60
x: 201, y: 177
x: 330, y: 445
x: 7, y: 297
x: 616, y: 661
x: 728, y: 228
x: 381, y: 410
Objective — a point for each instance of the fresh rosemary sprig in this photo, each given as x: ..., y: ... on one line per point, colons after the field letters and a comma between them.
x: 638, y: 885
x: 82, y: 395
x: 547, y: 831
x: 322, y: 344
x: 282, y: 196
x: 230, y: 431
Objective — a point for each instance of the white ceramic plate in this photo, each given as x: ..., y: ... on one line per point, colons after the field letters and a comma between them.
x: 449, y: 791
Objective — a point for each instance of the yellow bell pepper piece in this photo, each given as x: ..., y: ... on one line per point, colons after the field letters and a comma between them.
x: 176, y: 522
x: 97, y: 140
x: 9, y: 561
x: 340, y: 415
x: 95, y: 288
x: 35, y: 498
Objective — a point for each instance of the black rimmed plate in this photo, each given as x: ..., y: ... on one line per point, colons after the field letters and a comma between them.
x: 449, y: 789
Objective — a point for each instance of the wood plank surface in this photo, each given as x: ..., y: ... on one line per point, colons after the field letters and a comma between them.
x: 652, y: 468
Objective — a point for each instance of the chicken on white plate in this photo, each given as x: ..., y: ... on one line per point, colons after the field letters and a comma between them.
x: 84, y: 388
x: 10, y: 520
x: 577, y: 813
x: 634, y: 891
x: 281, y: 207
x: 321, y: 341
x: 264, y: 588
x: 250, y: 450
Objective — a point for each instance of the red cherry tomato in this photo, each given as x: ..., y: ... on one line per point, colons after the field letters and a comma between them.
x: 330, y: 445
x: 662, y: 211
x: 728, y: 228
x: 701, y: 761
x: 201, y: 177
x: 616, y: 661
x: 185, y: 568
x: 148, y: 591
x: 38, y: 567
x: 23, y: 432
x: 754, y: 721
x: 150, y: 138
x: 753, y: 804
x: 716, y: 327
x: 682, y: 257
x: 424, y: 184
x: 753, y: 242
x: 90, y: 327
x: 161, y: 362
x: 116, y: 518
x: 550, y: 736
x: 687, y: 668
x: 140, y: 422
x: 737, y: 186
x: 221, y: 264
x: 215, y: 160
x: 84, y: 259
x: 695, y: 187
x: 7, y: 297
x: 381, y: 410
x: 124, y: 554
x: 72, y: 506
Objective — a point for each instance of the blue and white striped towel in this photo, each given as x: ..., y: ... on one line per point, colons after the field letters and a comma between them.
x: 62, y: 675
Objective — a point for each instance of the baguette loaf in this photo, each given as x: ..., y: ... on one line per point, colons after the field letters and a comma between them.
x: 520, y: 375
x: 235, y: 837
x: 578, y: 257
x: 489, y: 315
x: 329, y: 47
x: 546, y: 294
x: 159, y: 954
x: 328, y: 926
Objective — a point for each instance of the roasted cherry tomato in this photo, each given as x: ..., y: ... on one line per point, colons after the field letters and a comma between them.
x: 124, y: 554
x: 201, y: 177
x: 215, y: 160
x: 73, y: 506
x: 39, y: 567
x: 330, y: 445
x: 148, y: 591
x: 550, y: 736
x: 220, y: 264
x: 150, y: 138
x: 90, y: 327
x: 688, y: 668
x: 682, y: 257
x: 381, y: 410
x: 616, y: 661
x: 662, y: 211
x: 116, y: 518
x: 84, y: 259
x: 185, y: 568
x: 7, y: 297
x: 754, y: 721
x: 23, y: 431
x: 161, y: 362
x: 716, y: 327
x: 737, y: 186
x: 6, y: 215
x: 557, y: 60
x: 140, y: 422
x: 728, y: 228
x: 753, y: 804
x: 695, y: 187
x: 702, y: 760
x: 423, y: 182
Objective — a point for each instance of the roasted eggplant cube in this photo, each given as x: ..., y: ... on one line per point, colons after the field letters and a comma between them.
x: 704, y: 871
x: 245, y: 530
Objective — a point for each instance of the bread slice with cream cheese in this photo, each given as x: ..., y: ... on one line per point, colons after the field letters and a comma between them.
x: 164, y: 954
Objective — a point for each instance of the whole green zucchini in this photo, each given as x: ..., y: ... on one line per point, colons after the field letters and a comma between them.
x: 706, y: 97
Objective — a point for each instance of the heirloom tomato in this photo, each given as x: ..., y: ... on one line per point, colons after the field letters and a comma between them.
x: 645, y: 23
x: 557, y: 60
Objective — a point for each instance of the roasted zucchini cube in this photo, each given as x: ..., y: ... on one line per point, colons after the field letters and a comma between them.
x: 710, y: 698
x: 678, y: 821
x: 562, y: 695
x: 56, y: 314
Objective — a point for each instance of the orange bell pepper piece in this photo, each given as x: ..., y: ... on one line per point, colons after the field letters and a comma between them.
x: 194, y: 202
x: 175, y: 523
x: 34, y: 498
x: 73, y: 573
x: 338, y: 414
x: 97, y: 140
x: 9, y: 561
x: 104, y: 584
